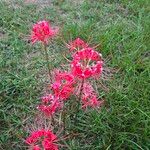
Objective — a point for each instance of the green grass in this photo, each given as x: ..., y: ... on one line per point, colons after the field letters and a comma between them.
x: 122, y: 28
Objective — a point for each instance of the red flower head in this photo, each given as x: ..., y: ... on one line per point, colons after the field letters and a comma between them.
x: 42, y: 137
x: 86, y: 63
x: 89, y: 98
x: 63, y: 84
x: 91, y: 101
x: 50, y: 105
x: 77, y: 44
x: 42, y: 31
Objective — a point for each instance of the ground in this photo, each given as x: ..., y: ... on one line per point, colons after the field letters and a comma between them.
x: 122, y: 30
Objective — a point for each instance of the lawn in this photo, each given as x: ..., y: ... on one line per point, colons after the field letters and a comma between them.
x: 122, y: 28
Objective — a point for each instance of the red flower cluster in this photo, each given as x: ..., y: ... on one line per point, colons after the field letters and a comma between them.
x: 62, y: 88
x: 63, y: 84
x: 50, y: 104
x: 88, y: 96
x: 42, y: 137
x: 42, y: 31
x: 86, y: 63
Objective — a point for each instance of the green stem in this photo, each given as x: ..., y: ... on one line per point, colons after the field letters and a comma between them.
x: 81, y: 90
x: 64, y: 119
x: 79, y: 101
x: 47, y: 61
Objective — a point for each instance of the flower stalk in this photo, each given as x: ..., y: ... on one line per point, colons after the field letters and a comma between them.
x: 47, y: 61
x: 80, y: 99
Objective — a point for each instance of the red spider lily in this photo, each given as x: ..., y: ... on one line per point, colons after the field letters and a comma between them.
x: 89, y: 98
x: 63, y: 84
x: 50, y: 105
x: 87, y: 89
x: 77, y: 44
x: 86, y: 63
x: 91, y: 101
x: 42, y: 31
x: 42, y: 137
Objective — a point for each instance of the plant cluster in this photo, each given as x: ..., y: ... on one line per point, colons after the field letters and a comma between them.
x: 86, y: 65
